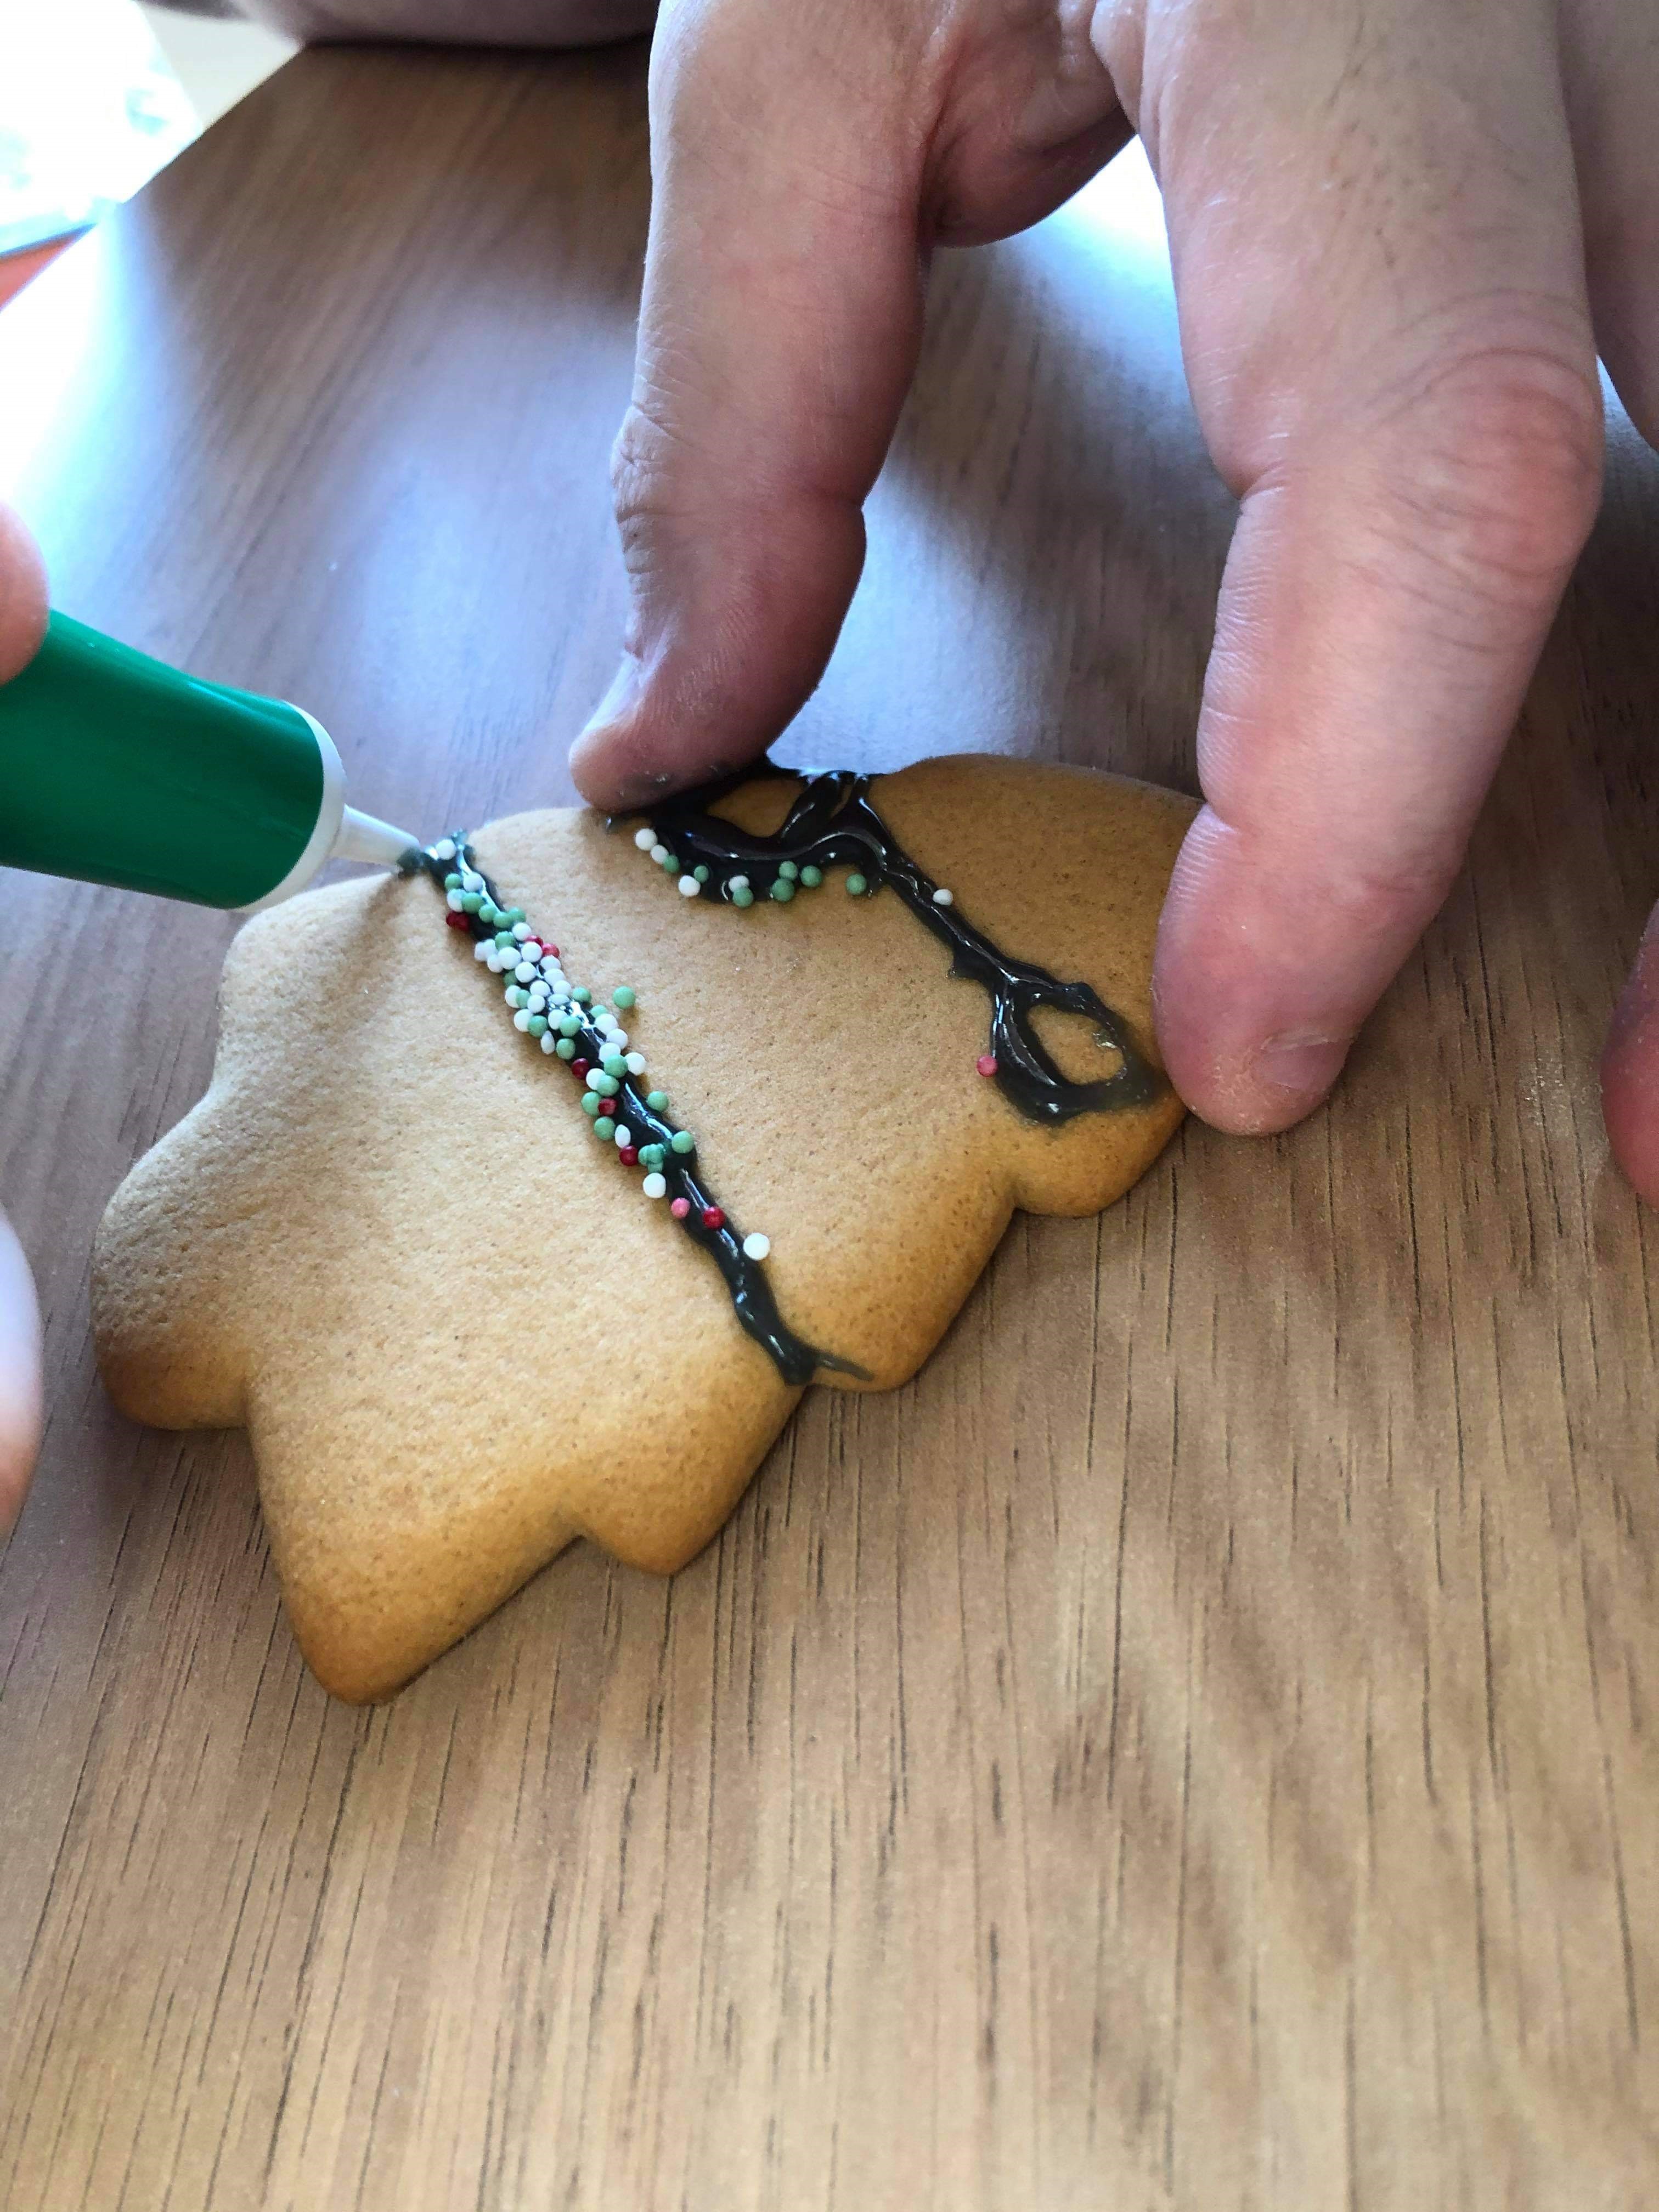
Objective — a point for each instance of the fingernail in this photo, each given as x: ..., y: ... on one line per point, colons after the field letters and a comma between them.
x: 1301, y: 1063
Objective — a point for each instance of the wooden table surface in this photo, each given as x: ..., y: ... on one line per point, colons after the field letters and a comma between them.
x: 1199, y: 1744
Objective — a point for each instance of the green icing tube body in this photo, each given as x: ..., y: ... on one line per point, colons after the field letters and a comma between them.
x: 115, y: 769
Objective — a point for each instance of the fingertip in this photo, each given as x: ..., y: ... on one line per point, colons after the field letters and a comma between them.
x: 1630, y: 1071
x: 624, y: 756
x: 22, y: 597
x: 1259, y: 1091
x: 1285, y: 1078
x: 1248, y: 1033
x: 19, y: 1377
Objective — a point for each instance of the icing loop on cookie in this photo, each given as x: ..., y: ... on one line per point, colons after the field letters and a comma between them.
x: 564, y: 1020
x: 833, y: 824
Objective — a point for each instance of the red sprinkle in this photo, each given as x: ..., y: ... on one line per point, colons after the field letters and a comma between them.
x: 713, y: 1216
x: 550, y: 951
x: 458, y: 921
x: 679, y: 1207
x: 627, y: 1154
x: 580, y: 1066
x: 987, y: 1063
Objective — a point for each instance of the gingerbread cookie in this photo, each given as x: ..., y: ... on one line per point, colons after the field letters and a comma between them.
x: 537, y: 1225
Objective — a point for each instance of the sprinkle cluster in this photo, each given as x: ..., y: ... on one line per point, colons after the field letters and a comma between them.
x: 568, y: 1024
x: 789, y: 878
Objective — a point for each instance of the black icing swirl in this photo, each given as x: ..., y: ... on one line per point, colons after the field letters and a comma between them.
x: 833, y: 824
x: 752, y: 1301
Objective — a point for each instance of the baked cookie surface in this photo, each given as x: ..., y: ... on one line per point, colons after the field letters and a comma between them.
x: 388, y: 1242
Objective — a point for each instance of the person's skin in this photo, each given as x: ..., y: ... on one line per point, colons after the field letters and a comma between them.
x: 1400, y: 230
x: 23, y: 619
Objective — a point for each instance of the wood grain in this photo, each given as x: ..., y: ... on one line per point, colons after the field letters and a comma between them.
x: 1194, y: 1746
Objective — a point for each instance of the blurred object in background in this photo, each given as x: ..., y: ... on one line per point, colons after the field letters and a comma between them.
x: 91, y: 106
x: 217, y: 59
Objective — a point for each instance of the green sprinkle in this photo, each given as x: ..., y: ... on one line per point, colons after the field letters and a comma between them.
x: 653, y: 1156
x: 614, y: 1064
x: 582, y: 995
x: 515, y: 914
x: 471, y: 902
x: 783, y: 890
x: 745, y: 897
x: 590, y: 1102
x: 504, y: 940
x: 451, y: 882
x: 566, y: 1048
x: 571, y: 1025
x: 788, y: 868
x: 624, y: 996
x: 856, y: 886
x: 538, y: 1025
x: 700, y: 874
x: 669, y: 864
x: 605, y: 1126
x: 656, y: 1100
x: 811, y: 878
x: 683, y: 1141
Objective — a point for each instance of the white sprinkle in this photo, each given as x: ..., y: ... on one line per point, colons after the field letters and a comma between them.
x: 755, y: 1247
x: 636, y: 1063
x: 660, y: 853
x: 690, y: 887
x: 655, y: 1186
x: 537, y: 997
x: 471, y: 880
x: 521, y: 1019
x: 526, y: 971
x: 452, y: 900
x: 550, y: 1042
x: 625, y: 1135
x: 616, y: 1039
x: 444, y: 849
x: 942, y: 897
x: 492, y: 960
x: 645, y: 839
x: 482, y: 948
x: 737, y: 883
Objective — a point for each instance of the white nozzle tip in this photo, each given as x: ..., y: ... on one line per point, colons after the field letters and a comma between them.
x: 363, y: 838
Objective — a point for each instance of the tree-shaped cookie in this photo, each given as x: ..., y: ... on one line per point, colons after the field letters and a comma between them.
x: 531, y: 1187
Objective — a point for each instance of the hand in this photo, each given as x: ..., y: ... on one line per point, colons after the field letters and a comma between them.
x: 1399, y: 231
x: 23, y: 618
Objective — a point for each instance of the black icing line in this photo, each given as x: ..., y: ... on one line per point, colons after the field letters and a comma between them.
x: 833, y: 824
x: 752, y: 1301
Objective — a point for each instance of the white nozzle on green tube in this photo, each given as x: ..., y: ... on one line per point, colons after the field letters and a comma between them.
x: 116, y: 769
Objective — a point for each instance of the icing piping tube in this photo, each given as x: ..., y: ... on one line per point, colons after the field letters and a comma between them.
x: 115, y: 769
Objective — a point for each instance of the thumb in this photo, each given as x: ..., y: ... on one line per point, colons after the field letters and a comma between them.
x: 20, y: 1377
x: 23, y: 619
x: 778, y: 333
x: 22, y: 597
